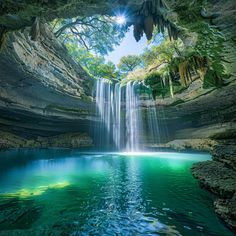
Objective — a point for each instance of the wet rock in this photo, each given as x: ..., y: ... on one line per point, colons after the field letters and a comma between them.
x: 226, y: 209
x: 17, y: 216
x: 216, y: 177
x: 221, y: 180
x: 226, y: 153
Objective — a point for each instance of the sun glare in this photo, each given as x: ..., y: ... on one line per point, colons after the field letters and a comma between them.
x: 121, y: 19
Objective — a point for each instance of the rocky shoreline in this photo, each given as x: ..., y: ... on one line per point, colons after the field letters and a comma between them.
x: 220, y: 180
x: 217, y: 176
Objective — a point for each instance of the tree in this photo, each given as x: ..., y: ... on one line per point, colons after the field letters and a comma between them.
x: 129, y: 63
x: 162, y: 53
x: 95, y: 65
x: 98, y: 34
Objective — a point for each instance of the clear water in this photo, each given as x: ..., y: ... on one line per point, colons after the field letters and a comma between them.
x: 63, y: 192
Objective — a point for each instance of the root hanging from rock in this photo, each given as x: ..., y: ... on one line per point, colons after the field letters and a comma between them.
x: 3, y: 37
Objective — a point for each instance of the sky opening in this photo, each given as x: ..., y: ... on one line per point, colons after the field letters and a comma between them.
x: 128, y: 46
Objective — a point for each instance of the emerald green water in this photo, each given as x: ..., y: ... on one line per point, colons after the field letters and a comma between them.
x: 62, y: 192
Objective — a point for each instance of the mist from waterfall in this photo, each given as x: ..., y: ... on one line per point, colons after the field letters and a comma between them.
x: 125, y: 122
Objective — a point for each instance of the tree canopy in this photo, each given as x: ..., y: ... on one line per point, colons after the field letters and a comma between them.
x: 95, y: 65
x: 129, y: 63
x: 98, y: 34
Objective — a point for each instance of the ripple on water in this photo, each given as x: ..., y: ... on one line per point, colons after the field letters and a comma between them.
x: 111, y: 194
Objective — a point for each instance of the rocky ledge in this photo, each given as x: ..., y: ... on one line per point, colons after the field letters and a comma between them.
x: 68, y: 140
x: 194, y: 144
x: 219, y: 179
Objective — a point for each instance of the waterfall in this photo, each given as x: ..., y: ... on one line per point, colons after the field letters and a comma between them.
x: 108, y: 103
x: 132, y: 118
x: 122, y: 118
x: 117, y: 115
x: 153, y: 133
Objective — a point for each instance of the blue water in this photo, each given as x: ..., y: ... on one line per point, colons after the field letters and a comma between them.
x: 63, y: 192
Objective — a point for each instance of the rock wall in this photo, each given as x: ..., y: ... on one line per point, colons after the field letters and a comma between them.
x: 15, y: 15
x: 43, y: 91
x: 209, y: 115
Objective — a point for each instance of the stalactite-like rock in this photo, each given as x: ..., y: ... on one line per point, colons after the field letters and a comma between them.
x: 148, y: 26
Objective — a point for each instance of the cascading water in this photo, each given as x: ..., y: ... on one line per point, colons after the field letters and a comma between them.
x: 122, y: 117
x: 152, y: 129
x: 117, y: 116
x: 132, y: 118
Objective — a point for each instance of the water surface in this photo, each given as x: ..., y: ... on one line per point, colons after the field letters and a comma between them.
x: 62, y: 192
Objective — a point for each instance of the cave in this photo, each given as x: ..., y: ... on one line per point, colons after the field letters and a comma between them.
x: 117, y: 117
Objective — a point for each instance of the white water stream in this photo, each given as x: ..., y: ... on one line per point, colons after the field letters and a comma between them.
x: 124, y: 124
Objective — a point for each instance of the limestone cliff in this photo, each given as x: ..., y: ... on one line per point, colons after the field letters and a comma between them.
x: 43, y: 91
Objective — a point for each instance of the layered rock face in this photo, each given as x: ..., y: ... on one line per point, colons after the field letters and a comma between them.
x: 43, y: 91
x: 67, y: 140
x: 204, y: 114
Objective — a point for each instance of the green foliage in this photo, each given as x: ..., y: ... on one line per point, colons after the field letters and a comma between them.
x: 161, y: 86
x: 96, y: 66
x: 88, y: 39
x: 97, y: 33
x: 157, y: 84
x: 170, y: 65
x: 162, y: 53
x: 211, y: 79
x: 210, y: 41
x: 129, y: 63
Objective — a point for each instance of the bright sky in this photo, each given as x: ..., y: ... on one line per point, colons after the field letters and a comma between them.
x: 127, y: 47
